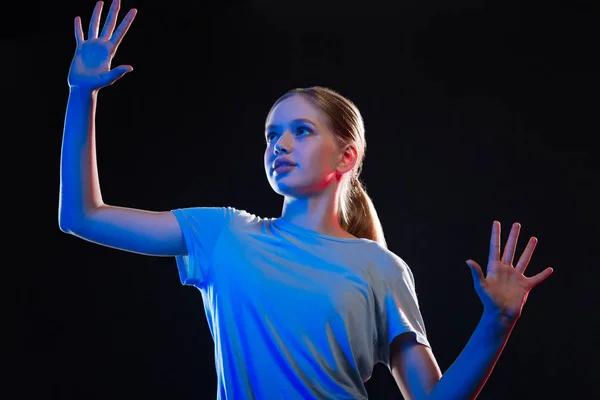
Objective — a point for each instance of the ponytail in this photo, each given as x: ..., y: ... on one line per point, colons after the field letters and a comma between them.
x: 358, y: 215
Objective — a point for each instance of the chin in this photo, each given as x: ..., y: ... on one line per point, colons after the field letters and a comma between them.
x: 284, y: 188
x: 294, y: 191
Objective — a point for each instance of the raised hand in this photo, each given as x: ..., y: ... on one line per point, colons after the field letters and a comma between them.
x: 505, y: 289
x: 90, y: 68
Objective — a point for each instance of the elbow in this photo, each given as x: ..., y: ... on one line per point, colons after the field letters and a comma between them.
x: 66, y: 224
x: 72, y: 216
x: 73, y: 220
x: 68, y: 221
x: 66, y: 217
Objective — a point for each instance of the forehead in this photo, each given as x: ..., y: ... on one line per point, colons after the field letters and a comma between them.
x: 292, y: 108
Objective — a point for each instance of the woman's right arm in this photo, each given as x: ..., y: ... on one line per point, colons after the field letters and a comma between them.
x: 81, y: 209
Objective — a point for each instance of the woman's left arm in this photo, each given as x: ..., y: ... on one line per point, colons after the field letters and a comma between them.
x: 503, y: 293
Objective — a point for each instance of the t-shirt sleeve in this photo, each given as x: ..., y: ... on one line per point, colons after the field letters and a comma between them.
x: 400, y: 311
x: 201, y: 228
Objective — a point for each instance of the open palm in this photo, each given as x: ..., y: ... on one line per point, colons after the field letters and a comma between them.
x: 505, y: 288
x: 90, y: 67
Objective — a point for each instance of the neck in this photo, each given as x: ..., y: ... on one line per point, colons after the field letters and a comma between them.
x: 317, y: 213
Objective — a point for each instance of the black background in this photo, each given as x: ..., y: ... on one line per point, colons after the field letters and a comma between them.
x: 474, y: 112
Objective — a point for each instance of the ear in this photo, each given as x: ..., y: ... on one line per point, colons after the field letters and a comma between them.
x: 348, y: 160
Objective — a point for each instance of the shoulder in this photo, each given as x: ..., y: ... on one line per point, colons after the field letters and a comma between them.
x: 387, y: 259
x: 389, y: 265
x: 240, y: 222
x: 215, y: 220
x: 241, y: 217
x: 215, y: 213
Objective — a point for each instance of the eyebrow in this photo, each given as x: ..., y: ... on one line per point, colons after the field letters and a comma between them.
x: 295, y: 121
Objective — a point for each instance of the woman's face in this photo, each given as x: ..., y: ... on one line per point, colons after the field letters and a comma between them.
x: 297, y: 135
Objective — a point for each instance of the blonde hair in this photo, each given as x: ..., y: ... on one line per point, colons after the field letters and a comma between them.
x: 357, y: 214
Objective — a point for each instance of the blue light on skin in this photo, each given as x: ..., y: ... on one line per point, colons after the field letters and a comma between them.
x: 297, y: 131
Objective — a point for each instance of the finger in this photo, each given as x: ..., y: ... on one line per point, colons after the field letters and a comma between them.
x: 539, y: 278
x: 111, y: 20
x: 526, y: 256
x: 495, y: 242
x: 476, y: 271
x: 95, y: 21
x: 78, y: 31
x: 117, y: 37
x: 511, y: 244
x: 116, y: 73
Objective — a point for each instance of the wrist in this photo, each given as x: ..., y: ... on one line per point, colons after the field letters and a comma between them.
x: 497, y: 323
x: 82, y: 91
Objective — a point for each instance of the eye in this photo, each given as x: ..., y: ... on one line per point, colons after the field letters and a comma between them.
x: 270, y: 136
x: 303, y: 130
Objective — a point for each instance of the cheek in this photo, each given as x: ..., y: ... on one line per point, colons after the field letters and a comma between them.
x: 268, y: 155
x: 266, y: 162
x: 324, y: 158
x: 320, y: 164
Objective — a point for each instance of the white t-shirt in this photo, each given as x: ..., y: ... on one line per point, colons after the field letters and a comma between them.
x: 294, y: 314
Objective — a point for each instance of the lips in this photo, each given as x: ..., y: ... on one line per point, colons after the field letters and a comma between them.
x: 282, y: 162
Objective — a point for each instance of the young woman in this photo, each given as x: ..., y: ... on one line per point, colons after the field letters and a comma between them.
x: 304, y: 305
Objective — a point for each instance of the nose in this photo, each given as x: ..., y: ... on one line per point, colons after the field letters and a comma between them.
x: 284, y: 144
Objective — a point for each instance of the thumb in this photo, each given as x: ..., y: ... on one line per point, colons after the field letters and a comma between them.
x: 476, y: 272
x: 116, y: 73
